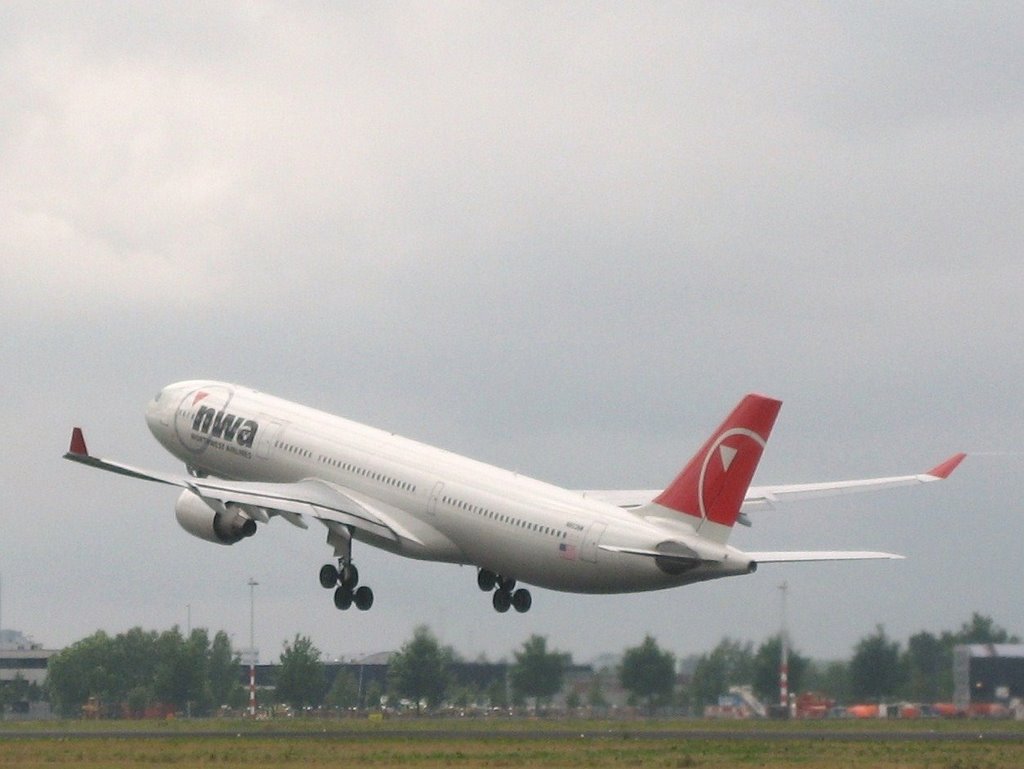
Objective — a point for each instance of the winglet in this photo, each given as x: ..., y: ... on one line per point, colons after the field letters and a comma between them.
x: 944, y: 469
x: 78, y: 448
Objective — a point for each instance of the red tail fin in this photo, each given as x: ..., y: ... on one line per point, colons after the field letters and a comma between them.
x: 713, y: 484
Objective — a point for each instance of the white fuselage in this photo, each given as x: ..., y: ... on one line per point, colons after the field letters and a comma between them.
x: 452, y: 509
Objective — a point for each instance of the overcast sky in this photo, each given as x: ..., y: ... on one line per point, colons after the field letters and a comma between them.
x: 561, y: 238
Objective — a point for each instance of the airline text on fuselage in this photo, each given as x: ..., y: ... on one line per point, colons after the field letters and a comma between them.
x: 220, y: 424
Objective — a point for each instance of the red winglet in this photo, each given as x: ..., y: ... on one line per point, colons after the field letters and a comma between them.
x: 944, y: 469
x: 78, y: 443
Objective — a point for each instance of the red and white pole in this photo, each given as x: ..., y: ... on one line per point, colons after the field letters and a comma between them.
x: 252, y: 647
x: 252, y: 688
x: 784, y: 657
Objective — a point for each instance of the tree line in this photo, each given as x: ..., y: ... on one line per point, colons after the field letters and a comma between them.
x: 138, y: 669
x: 195, y: 674
x: 880, y: 669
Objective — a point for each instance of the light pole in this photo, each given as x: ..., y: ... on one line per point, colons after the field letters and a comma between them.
x: 252, y: 646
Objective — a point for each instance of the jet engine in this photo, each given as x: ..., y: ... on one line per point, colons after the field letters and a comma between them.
x: 225, y: 526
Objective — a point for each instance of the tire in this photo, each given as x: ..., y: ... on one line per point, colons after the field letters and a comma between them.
x: 349, y: 576
x: 363, y: 598
x: 522, y: 600
x: 343, y: 598
x: 502, y: 601
x: 328, y: 576
x: 486, y: 580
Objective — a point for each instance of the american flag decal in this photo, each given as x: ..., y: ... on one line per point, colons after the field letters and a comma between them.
x: 567, y: 551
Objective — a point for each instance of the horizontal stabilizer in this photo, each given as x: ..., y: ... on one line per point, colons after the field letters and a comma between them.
x: 688, y: 561
x: 797, y: 556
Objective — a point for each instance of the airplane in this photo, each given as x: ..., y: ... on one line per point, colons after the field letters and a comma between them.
x: 251, y: 457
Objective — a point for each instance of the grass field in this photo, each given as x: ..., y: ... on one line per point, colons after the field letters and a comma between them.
x: 428, y: 743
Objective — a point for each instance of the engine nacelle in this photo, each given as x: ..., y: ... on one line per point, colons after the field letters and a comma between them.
x: 225, y: 527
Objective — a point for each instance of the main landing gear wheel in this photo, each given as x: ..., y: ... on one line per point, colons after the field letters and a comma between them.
x: 486, y: 580
x: 502, y: 600
x: 505, y: 594
x: 349, y: 576
x: 363, y: 598
x: 343, y: 598
x: 344, y: 580
x: 522, y: 600
x: 328, y: 576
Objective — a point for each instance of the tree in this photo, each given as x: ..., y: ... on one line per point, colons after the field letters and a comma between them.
x: 928, y: 662
x: 83, y: 670
x: 537, y: 672
x: 222, y: 672
x: 731, y: 663
x: 420, y: 669
x: 876, y: 671
x: 497, y: 694
x: 595, y: 694
x: 301, y: 679
x: 134, y: 669
x: 180, y: 677
x: 831, y: 677
x: 344, y: 691
x: 767, y: 661
x: 983, y: 630
x: 16, y: 689
x: 648, y: 672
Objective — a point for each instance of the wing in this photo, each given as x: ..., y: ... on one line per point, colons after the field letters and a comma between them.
x: 309, y: 498
x: 759, y: 497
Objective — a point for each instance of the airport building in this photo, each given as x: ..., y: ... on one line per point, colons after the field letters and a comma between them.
x: 988, y: 675
x: 21, y: 657
x: 22, y: 660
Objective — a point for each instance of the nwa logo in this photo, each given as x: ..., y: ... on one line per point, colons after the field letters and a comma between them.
x: 205, y: 420
x: 217, y: 424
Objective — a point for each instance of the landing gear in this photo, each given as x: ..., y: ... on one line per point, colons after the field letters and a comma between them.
x: 344, y: 579
x: 505, y: 594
